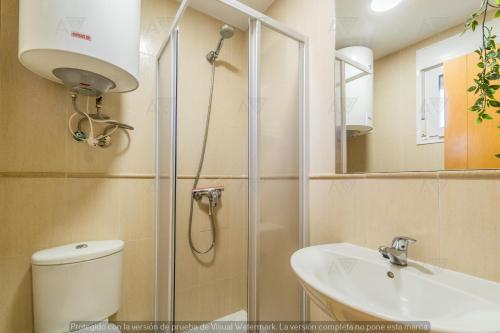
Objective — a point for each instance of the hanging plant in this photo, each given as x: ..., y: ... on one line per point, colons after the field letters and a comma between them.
x: 489, y: 63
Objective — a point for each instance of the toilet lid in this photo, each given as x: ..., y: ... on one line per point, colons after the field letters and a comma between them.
x: 102, y: 327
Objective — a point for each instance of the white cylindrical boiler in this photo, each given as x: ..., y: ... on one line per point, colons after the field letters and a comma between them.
x: 358, y: 91
x: 91, y: 46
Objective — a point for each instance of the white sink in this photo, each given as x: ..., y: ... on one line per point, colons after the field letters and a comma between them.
x: 351, y: 283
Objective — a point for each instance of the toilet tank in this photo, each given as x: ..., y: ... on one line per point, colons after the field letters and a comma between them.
x: 76, y: 282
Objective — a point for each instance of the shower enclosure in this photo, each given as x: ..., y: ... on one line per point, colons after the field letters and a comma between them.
x: 231, y: 166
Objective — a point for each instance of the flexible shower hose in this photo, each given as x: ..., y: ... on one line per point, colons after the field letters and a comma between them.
x: 198, y: 174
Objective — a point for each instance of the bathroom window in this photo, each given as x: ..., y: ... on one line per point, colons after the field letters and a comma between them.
x: 432, y: 111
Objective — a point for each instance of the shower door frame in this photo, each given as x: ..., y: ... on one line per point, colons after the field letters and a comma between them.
x: 256, y: 21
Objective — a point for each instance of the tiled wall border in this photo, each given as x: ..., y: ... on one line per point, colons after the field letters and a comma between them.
x: 472, y: 174
x: 465, y: 174
x: 9, y: 174
x: 84, y: 175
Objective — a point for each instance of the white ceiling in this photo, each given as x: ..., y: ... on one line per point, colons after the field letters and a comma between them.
x: 228, y: 15
x: 408, y: 23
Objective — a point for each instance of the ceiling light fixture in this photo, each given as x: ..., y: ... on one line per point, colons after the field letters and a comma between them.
x: 384, y: 5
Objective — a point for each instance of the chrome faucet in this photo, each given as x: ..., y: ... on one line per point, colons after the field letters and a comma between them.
x: 212, y: 193
x: 398, y: 253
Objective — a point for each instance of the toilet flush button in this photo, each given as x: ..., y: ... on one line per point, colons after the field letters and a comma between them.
x: 81, y: 246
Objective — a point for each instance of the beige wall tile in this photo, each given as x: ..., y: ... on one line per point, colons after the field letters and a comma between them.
x: 33, y: 133
x: 453, y: 219
x: 222, y: 270
x: 87, y: 210
x: 340, y: 218
x: 131, y: 152
x: 28, y: 210
x: 402, y: 208
x: 136, y: 208
x: 37, y: 213
x: 156, y: 19
x: 321, y: 33
x: 15, y: 293
x: 138, y: 289
x: 34, y: 111
x: 470, y: 226
x: 199, y: 34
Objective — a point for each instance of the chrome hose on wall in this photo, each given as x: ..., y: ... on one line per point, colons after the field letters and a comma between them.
x: 226, y: 32
x: 198, y: 174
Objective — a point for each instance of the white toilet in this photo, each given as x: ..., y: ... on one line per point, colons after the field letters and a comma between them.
x: 79, y: 282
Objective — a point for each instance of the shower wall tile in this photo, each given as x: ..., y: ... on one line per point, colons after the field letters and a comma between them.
x: 212, y: 285
x: 227, y: 143
x: 221, y: 274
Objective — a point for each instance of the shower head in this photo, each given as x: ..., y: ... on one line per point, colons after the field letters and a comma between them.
x: 226, y: 32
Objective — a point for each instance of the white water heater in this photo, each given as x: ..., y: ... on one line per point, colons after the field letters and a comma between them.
x: 358, y: 91
x: 91, y: 46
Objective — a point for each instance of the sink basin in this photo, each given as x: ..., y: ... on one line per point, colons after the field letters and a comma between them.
x: 352, y: 283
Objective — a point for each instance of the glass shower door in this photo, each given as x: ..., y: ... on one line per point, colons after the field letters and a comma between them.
x: 213, y: 285
x: 279, y: 183
x: 255, y: 156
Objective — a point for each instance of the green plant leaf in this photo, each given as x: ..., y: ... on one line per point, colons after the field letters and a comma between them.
x: 471, y: 89
x: 479, y: 121
x: 486, y: 116
x: 475, y: 108
x: 495, y: 103
x: 480, y: 64
x: 497, y: 14
x: 474, y: 25
x: 493, y: 76
x: 497, y: 155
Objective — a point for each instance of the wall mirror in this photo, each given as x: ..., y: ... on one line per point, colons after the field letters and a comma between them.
x: 403, y: 84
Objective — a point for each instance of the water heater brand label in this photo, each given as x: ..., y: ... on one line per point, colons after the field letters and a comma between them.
x: 81, y: 36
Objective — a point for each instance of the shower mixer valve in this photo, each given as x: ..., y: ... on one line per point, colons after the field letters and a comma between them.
x: 212, y: 193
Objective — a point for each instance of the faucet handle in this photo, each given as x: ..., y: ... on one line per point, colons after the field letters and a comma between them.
x: 401, y: 242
